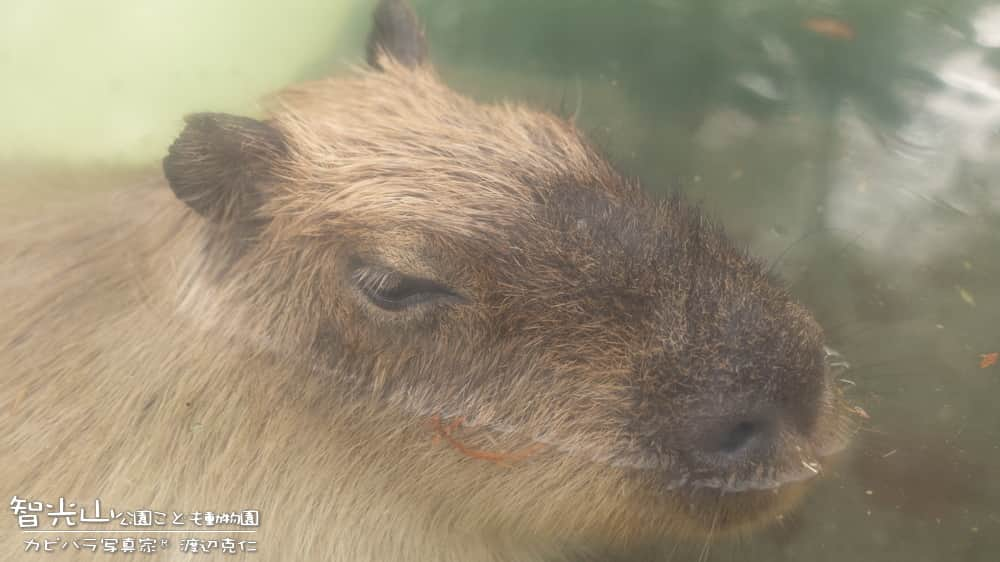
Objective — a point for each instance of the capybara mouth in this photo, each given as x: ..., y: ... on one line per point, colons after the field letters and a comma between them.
x: 713, y: 498
x: 799, y: 460
x: 793, y: 458
x: 715, y: 513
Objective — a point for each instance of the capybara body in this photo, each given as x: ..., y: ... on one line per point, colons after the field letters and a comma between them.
x: 402, y: 325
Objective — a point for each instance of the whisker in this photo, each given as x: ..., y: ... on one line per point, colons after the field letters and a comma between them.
x: 711, y: 532
x: 916, y: 357
x: 673, y: 552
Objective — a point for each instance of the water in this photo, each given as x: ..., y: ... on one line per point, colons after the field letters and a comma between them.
x: 851, y: 143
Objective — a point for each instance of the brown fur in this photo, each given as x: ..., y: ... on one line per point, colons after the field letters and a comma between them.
x: 218, y: 355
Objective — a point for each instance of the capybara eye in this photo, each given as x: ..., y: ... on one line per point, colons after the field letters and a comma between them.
x: 394, y: 291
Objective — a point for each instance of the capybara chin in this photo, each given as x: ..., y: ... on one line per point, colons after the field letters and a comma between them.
x: 404, y: 326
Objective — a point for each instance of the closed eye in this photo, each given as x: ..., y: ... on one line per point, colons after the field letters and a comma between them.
x: 394, y: 291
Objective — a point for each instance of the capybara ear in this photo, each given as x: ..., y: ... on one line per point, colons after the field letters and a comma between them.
x: 397, y: 33
x: 219, y: 162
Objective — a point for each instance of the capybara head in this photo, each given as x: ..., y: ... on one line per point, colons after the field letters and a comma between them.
x: 602, y: 363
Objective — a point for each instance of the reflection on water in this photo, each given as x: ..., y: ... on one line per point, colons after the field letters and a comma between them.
x: 915, y: 196
x: 852, y: 142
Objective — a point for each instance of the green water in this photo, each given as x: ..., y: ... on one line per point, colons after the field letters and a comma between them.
x: 852, y: 142
x: 865, y: 162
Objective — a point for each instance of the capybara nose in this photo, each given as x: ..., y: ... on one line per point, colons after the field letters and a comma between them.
x: 739, y: 438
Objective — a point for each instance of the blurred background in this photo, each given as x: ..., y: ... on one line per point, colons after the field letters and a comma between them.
x: 854, y: 144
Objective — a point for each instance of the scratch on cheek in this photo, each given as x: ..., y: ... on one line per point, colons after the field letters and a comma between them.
x: 503, y: 458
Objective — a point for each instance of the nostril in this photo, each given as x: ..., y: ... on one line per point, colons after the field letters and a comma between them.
x: 740, y: 436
